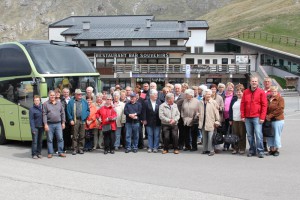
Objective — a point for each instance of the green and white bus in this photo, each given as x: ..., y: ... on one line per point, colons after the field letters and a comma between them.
x: 30, y: 68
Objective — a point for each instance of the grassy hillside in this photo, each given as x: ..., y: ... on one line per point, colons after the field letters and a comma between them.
x: 280, y: 17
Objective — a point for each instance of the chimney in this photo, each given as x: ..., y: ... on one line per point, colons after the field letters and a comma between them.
x: 148, y: 23
x: 181, y: 26
x: 86, y: 25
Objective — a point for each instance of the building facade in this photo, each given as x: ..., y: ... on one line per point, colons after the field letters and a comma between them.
x: 134, y: 49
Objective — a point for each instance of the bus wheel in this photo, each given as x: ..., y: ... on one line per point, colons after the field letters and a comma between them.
x: 2, y: 134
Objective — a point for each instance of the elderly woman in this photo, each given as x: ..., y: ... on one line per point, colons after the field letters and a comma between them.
x: 208, y: 119
x: 37, y: 127
x: 221, y: 90
x: 98, y: 136
x: 220, y: 107
x: 90, y: 125
x: 238, y: 126
x: 227, y: 101
x: 107, y: 116
x: 152, y: 121
x: 275, y: 113
x: 189, y: 113
x: 121, y: 118
x: 169, y: 116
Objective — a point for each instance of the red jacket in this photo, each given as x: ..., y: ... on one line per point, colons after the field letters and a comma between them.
x: 254, y: 104
x: 107, y: 112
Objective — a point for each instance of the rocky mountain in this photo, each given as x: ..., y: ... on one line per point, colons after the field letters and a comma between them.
x: 29, y: 19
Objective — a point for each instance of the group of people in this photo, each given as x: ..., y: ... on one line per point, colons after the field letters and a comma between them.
x: 179, y: 117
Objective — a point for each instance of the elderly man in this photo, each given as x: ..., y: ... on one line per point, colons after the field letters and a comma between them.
x: 145, y: 92
x: 160, y: 96
x: 189, y: 114
x: 169, y: 116
x: 128, y: 90
x: 89, y: 93
x: 67, y: 132
x: 152, y: 121
x: 133, y: 111
x: 78, y: 111
x: 179, y: 98
x: 253, y: 113
x: 54, y: 122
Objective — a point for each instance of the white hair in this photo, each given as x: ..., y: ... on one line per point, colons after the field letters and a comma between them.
x: 153, y: 84
x: 169, y: 96
x: 203, y: 87
x: 177, y: 85
x: 206, y: 91
x: 189, y: 92
x: 90, y: 88
x: 116, y: 93
x: 153, y: 91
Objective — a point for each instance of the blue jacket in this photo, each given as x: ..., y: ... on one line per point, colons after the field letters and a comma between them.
x: 85, y: 110
x: 133, y: 108
x: 35, y: 117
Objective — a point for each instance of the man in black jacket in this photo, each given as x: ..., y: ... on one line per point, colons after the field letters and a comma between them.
x: 152, y: 121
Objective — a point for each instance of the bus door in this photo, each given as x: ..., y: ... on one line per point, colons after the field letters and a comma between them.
x: 24, y: 124
x: 11, y: 124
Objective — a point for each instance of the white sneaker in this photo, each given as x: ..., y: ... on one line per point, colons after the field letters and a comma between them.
x: 149, y: 150
x: 155, y: 150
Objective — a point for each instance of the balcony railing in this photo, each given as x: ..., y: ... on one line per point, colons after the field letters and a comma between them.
x: 173, y: 69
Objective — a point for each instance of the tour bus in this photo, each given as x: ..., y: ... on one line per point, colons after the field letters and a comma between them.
x: 29, y: 68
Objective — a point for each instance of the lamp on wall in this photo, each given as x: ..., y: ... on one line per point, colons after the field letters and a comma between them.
x: 199, y: 75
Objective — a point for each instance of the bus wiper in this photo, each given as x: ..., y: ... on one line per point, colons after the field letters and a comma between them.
x: 62, y: 43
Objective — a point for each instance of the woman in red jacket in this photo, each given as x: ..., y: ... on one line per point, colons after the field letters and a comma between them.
x: 107, y: 116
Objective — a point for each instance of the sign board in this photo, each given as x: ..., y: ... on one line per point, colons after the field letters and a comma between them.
x: 187, y: 71
x: 242, y: 59
x: 132, y: 55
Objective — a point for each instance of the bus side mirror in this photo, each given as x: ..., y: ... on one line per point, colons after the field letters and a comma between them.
x: 43, y: 90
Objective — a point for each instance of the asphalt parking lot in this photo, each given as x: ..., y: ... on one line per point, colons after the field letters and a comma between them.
x: 189, y: 175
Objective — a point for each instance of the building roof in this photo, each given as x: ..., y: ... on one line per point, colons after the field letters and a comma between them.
x: 127, y: 27
x: 124, y: 49
x: 108, y: 19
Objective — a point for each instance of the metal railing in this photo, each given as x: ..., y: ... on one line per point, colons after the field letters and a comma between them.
x: 179, y: 68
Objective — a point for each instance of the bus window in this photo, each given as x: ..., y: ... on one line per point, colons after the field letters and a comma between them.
x: 19, y: 91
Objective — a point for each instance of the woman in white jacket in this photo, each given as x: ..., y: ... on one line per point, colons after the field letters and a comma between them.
x: 121, y: 118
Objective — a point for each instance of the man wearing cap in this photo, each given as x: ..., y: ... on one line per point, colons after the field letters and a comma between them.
x: 78, y: 110
x: 132, y: 110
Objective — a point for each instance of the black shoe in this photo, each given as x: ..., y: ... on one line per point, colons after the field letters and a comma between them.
x: 81, y: 152
x: 186, y: 149
x: 276, y: 153
x: 105, y: 152
x: 141, y: 147
x: 127, y: 150
x: 205, y: 152
x: 249, y: 155
x: 194, y: 149
x: 180, y: 148
x: 74, y: 153
x: 135, y: 151
x: 261, y: 155
x: 112, y: 151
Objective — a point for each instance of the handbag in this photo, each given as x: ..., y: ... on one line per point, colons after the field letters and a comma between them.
x: 106, y: 128
x: 217, y: 138
x: 267, y: 129
x: 231, y: 139
x: 222, y: 129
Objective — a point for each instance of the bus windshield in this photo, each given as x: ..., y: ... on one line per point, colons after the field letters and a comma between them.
x: 57, y: 59
x: 72, y: 83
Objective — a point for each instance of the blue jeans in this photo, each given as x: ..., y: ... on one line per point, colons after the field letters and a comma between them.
x: 37, y: 142
x: 153, y: 136
x: 132, y: 131
x: 118, y: 136
x: 275, y: 141
x: 56, y: 129
x: 254, y: 135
